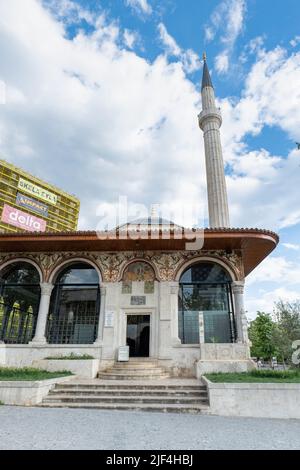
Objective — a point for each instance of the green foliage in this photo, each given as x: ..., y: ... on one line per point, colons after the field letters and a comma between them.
x: 261, y: 335
x: 287, y: 316
x: 9, y: 374
x: 257, y: 376
x: 70, y: 357
x: 274, y: 337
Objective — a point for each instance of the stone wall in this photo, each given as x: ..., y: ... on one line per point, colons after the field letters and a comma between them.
x: 255, y: 400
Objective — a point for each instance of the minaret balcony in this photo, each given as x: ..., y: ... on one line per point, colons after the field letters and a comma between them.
x: 210, y: 114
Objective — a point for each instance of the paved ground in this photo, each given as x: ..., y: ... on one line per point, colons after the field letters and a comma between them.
x: 37, y: 428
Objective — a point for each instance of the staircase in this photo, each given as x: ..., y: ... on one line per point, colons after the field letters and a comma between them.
x: 172, y: 396
x: 135, y: 369
x: 136, y: 385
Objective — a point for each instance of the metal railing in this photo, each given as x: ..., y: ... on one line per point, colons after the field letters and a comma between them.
x: 17, y: 326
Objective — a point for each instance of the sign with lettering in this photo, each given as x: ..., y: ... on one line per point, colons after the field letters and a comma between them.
x: 123, y: 355
x: 138, y: 300
x: 37, y: 191
x: 109, y: 319
x: 29, y: 203
x: 20, y: 219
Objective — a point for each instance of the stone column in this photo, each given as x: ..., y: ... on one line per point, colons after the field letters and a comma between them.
x: 46, y: 290
x: 174, y: 291
x: 99, y: 339
x: 239, y: 311
x: 201, y: 329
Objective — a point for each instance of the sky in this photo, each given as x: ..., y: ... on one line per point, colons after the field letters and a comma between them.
x: 101, y: 97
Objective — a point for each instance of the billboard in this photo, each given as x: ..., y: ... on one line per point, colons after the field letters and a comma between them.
x: 32, y: 204
x: 37, y: 191
x: 17, y: 218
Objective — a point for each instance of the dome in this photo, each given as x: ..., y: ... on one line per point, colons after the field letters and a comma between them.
x: 150, y: 223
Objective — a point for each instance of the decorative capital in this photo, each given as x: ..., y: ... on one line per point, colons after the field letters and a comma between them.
x: 46, y: 288
x: 238, y: 287
x: 103, y: 290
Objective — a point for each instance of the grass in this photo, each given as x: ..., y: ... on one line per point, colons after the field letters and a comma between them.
x: 27, y: 374
x: 71, y: 357
x: 257, y: 376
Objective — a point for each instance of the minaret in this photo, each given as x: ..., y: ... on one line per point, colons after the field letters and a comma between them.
x: 210, y: 121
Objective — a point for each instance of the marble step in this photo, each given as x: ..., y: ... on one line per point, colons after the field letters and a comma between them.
x: 128, y: 400
x: 125, y: 386
x: 129, y: 392
x: 158, y: 408
x: 140, y: 376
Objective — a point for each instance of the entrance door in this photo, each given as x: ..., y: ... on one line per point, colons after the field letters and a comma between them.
x: 138, y: 335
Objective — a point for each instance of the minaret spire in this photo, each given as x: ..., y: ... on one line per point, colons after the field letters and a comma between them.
x: 210, y: 121
x: 206, y: 80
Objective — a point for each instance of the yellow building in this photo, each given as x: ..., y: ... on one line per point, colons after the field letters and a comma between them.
x: 30, y: 204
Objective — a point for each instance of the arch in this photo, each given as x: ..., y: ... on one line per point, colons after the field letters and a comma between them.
x: 75, y: 304
x: 202, y: 259
x: 19, y: 301
x: 135, y: 261
x: 56, y: 271
x: 205, y: 290
x: 23, y: 260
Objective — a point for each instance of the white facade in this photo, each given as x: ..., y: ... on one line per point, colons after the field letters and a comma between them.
x: 161, y: 307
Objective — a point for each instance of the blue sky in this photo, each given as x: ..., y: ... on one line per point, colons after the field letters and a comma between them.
x: 102, y: 98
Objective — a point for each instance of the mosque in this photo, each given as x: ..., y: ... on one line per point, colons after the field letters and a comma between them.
x: 81, y: 293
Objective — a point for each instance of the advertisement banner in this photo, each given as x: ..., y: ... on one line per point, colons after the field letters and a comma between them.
x: 20, y: 219
x: 37, y: 191
x: 32, y: 204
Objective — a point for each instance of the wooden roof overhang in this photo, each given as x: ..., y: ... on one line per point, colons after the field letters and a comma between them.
x: 255, y: 244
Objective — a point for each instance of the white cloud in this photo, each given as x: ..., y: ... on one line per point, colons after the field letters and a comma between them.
x: 295, y: 41
x: 277, y: 278
x: 109, y: 114
x: 222, y: 62
x: 264, y: 301
x: 271, y: 97
x: 141, y: 6
x: 131, y: 38
x: 276, y: 269
x: 94, y: 118
x: 228, y: 18
x: 189, y: 58
x: 291, y: 246
x: 69, y: 11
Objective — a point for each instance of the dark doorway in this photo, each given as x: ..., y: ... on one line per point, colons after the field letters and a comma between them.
x: 138, y: 335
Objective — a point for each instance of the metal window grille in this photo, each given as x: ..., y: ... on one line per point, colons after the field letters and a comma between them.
x: 215, y: 300
x: 74, y: 314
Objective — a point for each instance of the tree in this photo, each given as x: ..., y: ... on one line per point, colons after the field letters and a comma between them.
x: 261, y: 334
x: 287, y: 315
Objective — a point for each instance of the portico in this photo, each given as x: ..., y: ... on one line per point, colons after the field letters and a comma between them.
x: 85, y: 300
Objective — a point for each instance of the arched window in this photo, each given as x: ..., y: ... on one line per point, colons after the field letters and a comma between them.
x: 19, y: 302
x: 205, y: 288
x: 75, y: 306
x: 138, y: 272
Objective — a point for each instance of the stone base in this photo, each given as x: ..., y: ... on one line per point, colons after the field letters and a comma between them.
x: 224, y: 352
x: 209, y: 367
x: 254, y: 400
x: 2, y: 354
x: 82, y: 368
x: 27, y: 393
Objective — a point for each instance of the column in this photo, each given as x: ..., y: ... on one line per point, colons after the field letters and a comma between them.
x: 201, y: 329
x: 46, y: 290
x: 174, y: 292
x: 99, y: 339
x: 239, y: 311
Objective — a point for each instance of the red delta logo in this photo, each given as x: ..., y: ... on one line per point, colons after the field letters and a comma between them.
x: 20, y: 219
